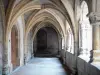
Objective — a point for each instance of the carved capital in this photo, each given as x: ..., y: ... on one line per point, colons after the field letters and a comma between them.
x: 94, y: 18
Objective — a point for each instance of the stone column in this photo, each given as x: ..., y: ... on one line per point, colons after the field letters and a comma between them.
x: 95, y: 22
x: 85, y: 38
x: 96, y: 43
x: 5, y: 64
x: 4, y: 68
x: 76, y: 44
x: 26, y: 53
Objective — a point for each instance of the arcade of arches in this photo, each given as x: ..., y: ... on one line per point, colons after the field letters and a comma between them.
x: 49, y: 32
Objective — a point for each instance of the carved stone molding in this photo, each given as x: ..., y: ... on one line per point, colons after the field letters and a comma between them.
x: 94, y: 18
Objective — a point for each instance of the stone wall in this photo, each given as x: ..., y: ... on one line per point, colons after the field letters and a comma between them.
x: 52, y: 41
x: 85, y: 68
x: 29, y: 46
x: 1, y: 38
x: 77, y: 65
x: 34, y: 45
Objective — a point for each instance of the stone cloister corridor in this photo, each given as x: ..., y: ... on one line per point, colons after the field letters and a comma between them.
x: 49, y: 37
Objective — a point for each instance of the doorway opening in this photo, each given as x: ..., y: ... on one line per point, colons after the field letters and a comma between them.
x: 15, y: 60
x: 46, y: 43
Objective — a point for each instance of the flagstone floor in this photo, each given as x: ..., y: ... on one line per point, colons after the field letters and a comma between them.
x: 41, y: 66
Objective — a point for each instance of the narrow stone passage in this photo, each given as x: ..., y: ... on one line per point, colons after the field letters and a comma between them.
x: 42, y: 66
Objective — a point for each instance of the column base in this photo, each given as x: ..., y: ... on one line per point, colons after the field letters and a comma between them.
x: 96, y: 55
x: 85, y: 57
x: 96, y: 58
x: 5, y: 70
x: 96, y: 64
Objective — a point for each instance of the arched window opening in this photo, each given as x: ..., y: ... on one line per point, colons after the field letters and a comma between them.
x: 63, y: 43
x: 70, y: 40
x: 85, y: 31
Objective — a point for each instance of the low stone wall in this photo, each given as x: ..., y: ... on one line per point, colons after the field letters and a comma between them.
x: 69, y: 60
x: 71, y: 63
x: 63, y: 55
x: 85, y: 68
x: 77, y: 65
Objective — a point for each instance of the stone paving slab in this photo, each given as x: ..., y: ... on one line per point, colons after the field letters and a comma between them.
x: 41, y: 66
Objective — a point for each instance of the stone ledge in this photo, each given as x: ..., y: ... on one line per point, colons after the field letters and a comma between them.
x: 85, y: 57
x: 96, y: 64
x: 96, y: 51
